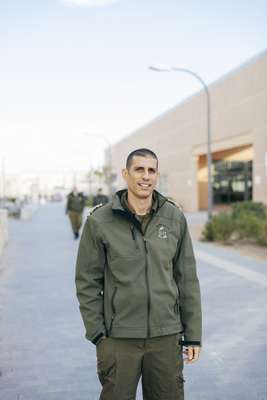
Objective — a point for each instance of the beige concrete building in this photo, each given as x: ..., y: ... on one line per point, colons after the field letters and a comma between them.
x: 239, y: 141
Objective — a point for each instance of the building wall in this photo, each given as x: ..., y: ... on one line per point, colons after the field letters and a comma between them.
x: 238, y: 118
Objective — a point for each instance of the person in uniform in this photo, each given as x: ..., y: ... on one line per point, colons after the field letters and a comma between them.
x: 138, y: 288
x: 100, y: 198
x: 74, y: 209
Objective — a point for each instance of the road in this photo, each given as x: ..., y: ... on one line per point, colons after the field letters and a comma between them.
x: 43, y: 352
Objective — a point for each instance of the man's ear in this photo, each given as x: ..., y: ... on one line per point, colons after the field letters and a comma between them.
x: 124, y: 173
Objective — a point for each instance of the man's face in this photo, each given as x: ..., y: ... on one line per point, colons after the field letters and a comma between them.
x: 142, y: 176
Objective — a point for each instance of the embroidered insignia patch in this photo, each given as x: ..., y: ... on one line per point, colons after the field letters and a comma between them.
x: 162, y: 232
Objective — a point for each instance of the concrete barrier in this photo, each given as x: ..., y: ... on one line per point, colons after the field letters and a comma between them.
x: 3, y: 229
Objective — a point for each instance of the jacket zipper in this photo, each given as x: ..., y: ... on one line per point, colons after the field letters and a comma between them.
x: 134, y: 237
x: 148, y: 290
x: 146, y: 273
x: 113, y: 309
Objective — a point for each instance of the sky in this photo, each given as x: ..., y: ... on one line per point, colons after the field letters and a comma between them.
x: 74, y: 74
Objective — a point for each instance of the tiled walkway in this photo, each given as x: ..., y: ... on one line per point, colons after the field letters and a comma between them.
x: 43, y: 353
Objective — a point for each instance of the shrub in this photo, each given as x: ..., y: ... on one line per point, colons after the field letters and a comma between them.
x: 219, y: 228
x: 248, y: 226
x: 248, y: 220
x: 208, y: 232
x: 249, y: 207
x: 262, y: 236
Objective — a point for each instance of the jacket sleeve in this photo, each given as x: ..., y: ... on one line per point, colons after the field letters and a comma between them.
x: 89, y: 279
x: 67, y: 205
x: 185, y: 275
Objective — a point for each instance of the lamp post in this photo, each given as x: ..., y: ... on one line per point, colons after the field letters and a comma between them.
x: 162, y: 68
x: 109, y: 159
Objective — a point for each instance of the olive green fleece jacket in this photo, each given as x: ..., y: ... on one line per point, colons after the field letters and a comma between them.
x: 134, y: 284
x: 75, y: 202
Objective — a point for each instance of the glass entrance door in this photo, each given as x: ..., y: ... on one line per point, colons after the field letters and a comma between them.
x: 232, y: 181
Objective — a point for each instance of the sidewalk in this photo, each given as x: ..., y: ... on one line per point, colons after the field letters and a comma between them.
x: 43, y: 352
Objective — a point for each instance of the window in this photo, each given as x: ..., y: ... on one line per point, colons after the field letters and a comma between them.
x: 232, y: 181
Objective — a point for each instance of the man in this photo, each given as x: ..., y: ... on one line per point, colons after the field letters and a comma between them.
x: 74, y: 208
x: 138, y: 289
x: 100, y: 198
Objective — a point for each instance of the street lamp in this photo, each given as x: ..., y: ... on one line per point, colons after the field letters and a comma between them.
x: 166, y: 68
x: 109, y: 159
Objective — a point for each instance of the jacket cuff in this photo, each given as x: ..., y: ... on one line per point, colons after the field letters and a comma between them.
x: 97, y: 338
x: 190, y: 343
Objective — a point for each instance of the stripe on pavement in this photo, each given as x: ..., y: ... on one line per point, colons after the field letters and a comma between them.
x: 232, y: 267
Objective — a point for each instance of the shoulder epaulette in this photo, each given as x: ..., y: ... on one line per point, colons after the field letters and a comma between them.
x: 93, y: 209
x: 175, y: 204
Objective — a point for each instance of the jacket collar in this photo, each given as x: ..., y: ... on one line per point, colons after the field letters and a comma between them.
x: 118, y: 209
x: 117, y: 206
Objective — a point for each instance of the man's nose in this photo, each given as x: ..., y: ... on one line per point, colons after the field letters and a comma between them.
x: 145, y: 175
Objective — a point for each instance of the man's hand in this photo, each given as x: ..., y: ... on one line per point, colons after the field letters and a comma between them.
x: 192, y: 353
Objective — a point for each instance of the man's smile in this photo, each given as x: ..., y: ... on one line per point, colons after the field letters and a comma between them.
x: 144, y: 185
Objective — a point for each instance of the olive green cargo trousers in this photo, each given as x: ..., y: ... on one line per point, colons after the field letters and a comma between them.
x: 76, y: 220
x: 159, y: 361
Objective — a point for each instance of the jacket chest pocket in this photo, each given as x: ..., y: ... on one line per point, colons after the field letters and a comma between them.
x: 123, y: 243
x: 164, y: 241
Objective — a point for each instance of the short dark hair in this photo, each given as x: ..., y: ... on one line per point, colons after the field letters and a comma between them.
x: 141, y: 153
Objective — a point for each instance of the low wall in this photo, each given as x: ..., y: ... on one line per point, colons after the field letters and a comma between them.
x: 3, y: 229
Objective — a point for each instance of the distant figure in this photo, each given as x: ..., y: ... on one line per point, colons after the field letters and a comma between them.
x: 100, y: 198
x: 74, y: 208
